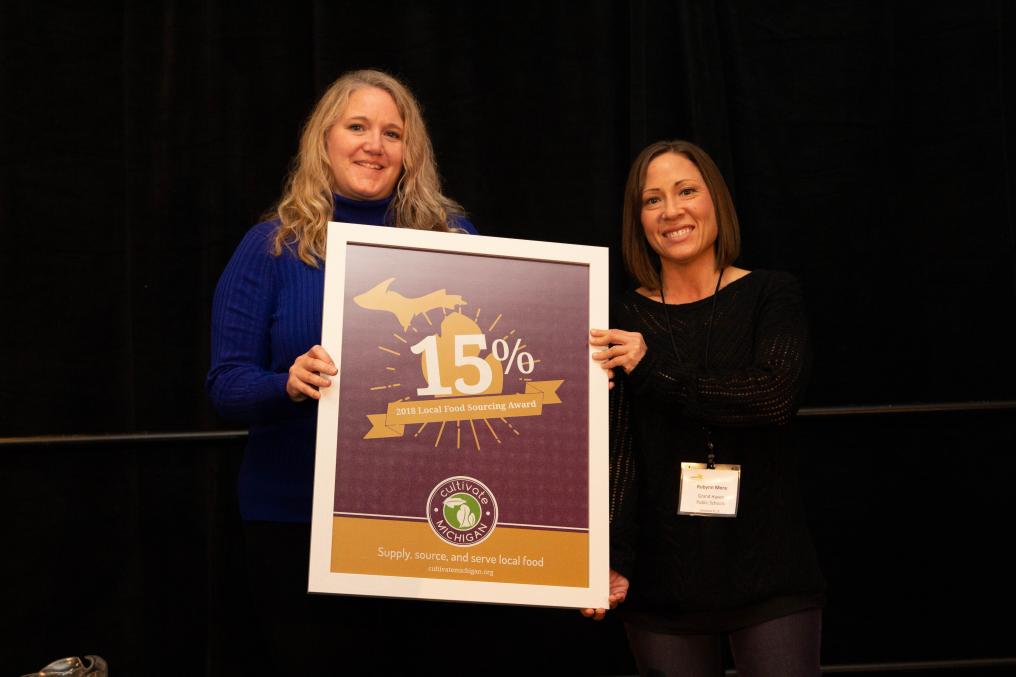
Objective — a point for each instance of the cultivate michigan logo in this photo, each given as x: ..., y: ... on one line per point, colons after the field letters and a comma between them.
x: 462, y: 511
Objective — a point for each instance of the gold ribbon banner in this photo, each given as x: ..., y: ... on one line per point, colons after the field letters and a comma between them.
x: 405, y: 412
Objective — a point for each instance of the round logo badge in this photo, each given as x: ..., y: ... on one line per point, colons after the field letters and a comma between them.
x: 462, y: 511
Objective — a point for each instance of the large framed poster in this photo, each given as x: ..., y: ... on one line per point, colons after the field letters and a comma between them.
x: 462, y: 448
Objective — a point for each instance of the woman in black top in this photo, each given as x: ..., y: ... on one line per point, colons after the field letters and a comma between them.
x: 711, y: 362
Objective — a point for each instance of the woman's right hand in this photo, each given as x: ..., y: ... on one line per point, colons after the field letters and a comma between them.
x: 307, y: 375
x: 624, y: 349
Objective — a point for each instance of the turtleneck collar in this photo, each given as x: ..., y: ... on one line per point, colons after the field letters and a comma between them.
x: 369, y: 212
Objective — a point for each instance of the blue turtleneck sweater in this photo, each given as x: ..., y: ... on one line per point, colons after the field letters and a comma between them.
x: 267, y: 312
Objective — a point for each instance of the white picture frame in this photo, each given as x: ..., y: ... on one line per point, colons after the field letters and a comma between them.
x: 370, y: 277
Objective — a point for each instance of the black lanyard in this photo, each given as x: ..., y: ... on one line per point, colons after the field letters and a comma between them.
x: 677, y: 355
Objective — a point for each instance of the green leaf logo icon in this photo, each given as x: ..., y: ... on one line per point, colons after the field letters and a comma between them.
x: 462, y: 511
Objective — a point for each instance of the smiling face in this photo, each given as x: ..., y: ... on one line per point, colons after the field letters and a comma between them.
x: 365, y: 146
x: 678, y: 216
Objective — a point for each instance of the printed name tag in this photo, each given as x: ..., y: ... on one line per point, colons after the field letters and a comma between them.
x: 709, y: 492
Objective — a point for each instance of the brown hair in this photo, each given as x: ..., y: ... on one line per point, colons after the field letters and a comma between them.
x: 306, y: 205
x: 639, y: 257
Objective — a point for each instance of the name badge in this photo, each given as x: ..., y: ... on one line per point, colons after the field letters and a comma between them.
x: 709, y: 492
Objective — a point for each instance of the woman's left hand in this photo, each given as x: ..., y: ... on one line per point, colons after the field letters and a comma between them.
x: 616, y: 594
x: 625, y: 349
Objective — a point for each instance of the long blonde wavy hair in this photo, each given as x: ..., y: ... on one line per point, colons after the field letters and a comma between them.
x: 307, y: 205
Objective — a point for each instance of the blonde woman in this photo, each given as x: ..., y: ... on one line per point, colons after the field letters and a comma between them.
x: 364, y: 157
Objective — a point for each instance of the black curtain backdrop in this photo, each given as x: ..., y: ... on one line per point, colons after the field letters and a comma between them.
x: 869, y: 146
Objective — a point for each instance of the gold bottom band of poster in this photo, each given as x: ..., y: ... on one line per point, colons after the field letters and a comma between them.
x: 392, y: 547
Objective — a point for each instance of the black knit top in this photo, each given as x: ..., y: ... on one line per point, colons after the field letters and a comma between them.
x: 712, y: 574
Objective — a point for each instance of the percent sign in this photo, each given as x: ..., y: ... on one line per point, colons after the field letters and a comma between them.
x: 524, y: 361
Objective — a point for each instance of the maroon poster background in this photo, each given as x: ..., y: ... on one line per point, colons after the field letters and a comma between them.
x: 539, y: 475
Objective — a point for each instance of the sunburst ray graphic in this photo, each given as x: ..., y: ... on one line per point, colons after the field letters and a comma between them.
x: 421, y: 323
